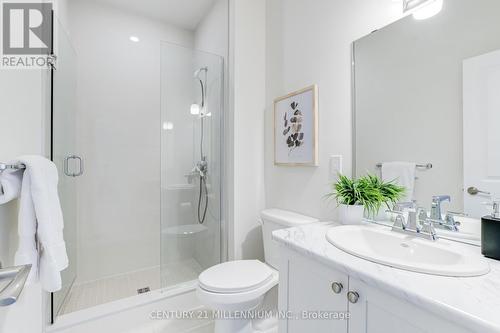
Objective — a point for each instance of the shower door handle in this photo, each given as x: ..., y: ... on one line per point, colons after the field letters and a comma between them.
x: 66, y: 166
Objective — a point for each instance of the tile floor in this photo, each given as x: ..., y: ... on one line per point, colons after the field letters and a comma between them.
x: 89, y: 294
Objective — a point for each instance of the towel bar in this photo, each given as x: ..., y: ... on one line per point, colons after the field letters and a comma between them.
x: 4, y: 167
x: 419, y: 166
x: 11, y: 292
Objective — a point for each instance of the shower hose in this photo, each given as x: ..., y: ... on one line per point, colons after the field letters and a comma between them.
x: 203, y: 186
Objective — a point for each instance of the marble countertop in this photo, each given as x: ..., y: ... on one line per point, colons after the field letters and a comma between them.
x: 471, y: 302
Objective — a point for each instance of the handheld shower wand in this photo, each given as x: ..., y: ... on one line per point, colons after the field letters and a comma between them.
x: 202, y: 165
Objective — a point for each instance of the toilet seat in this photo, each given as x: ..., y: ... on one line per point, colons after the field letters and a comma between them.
x: 243, y: 281
x: 235, y: 276
x: 236, y: 288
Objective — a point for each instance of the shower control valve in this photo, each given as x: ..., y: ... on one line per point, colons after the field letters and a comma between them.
x: 202, y: 167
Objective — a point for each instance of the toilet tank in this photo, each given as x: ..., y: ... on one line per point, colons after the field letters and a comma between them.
x: 274, y: 219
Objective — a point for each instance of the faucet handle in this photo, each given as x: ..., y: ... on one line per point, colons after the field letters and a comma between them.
x: 450, y: 220
x: 441, y: 198
x: 400, y: 222
x: 428, y: 228
x: 400, y: 206
x: 450, y: 213
x: 421, y: 210
x: 422, y: 214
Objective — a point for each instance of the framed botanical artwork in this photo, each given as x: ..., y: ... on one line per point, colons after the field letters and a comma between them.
x: 296, y: 128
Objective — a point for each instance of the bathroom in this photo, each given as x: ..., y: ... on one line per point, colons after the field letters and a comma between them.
x: 163, y: 121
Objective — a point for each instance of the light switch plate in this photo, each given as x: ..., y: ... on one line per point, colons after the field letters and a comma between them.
x: 335, y: 167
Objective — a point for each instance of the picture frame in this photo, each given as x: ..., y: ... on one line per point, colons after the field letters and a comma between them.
x: 296, y: 128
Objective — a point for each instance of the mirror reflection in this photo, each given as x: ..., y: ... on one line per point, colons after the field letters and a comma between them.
x: 427, y: 113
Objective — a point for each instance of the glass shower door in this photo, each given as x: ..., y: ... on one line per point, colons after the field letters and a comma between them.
x: 191, y: 162
x: 63, y: 143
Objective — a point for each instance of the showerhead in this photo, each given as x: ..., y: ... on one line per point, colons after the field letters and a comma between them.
x: 197, y: 73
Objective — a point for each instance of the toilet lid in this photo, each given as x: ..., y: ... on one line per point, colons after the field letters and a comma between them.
x: 235, y: 276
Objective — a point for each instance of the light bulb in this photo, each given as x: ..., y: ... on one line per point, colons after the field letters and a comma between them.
x: 195, y: 109
x: 428, y: 10
x: 134, y: 39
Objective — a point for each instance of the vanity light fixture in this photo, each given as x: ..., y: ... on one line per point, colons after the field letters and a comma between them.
x: 135, y: 39
x: 423, y: 9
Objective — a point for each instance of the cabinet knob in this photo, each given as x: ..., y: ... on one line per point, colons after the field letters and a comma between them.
x: 337, y: 287
x: 353, y: 297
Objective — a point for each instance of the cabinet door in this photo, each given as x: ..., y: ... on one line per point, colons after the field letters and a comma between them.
x: 378, y: 312
x: 310, y: 294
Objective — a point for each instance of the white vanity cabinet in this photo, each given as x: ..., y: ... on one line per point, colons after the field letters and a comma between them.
x: 379, y: 312
x: 307, y: 292
x: 308, y: 288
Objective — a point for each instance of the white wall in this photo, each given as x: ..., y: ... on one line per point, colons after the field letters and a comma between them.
x: 24, y: 116
x: 23, y: 121
x: 211, y: 34
x: 21, y: 132
x: 119, y: 137
x: 177, y: 95
x: 62, y: 12
x: 310, y: 42
x: 211, y: 38
x: 248, y: 67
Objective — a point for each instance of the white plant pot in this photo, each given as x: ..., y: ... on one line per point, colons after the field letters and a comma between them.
x: 351, y: 214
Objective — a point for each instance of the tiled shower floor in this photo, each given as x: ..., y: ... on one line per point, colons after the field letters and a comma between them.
x: 89, y: 294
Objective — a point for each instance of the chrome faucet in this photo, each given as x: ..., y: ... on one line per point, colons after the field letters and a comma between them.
x: 449, y: 223
x: 412, y: 223
x: 417, y: 225
x: 436, y: 206
x: 436, y: 218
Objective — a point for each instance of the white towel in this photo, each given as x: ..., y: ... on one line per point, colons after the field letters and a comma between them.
x: 41, y: 219
x: 10, y: 185
x: 403, y: 174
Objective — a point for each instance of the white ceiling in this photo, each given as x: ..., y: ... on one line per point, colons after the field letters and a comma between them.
x: 181, y: 13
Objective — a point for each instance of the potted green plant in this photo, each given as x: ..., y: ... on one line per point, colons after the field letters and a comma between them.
x: 367, y: 194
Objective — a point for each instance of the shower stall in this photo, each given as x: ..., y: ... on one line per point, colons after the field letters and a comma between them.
x: 140, y: 180
x: 192, y: 86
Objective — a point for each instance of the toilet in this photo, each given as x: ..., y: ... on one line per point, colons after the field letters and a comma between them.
x: 233, y: 288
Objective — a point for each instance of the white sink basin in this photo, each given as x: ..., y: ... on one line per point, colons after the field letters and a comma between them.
x: 398, y: 250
